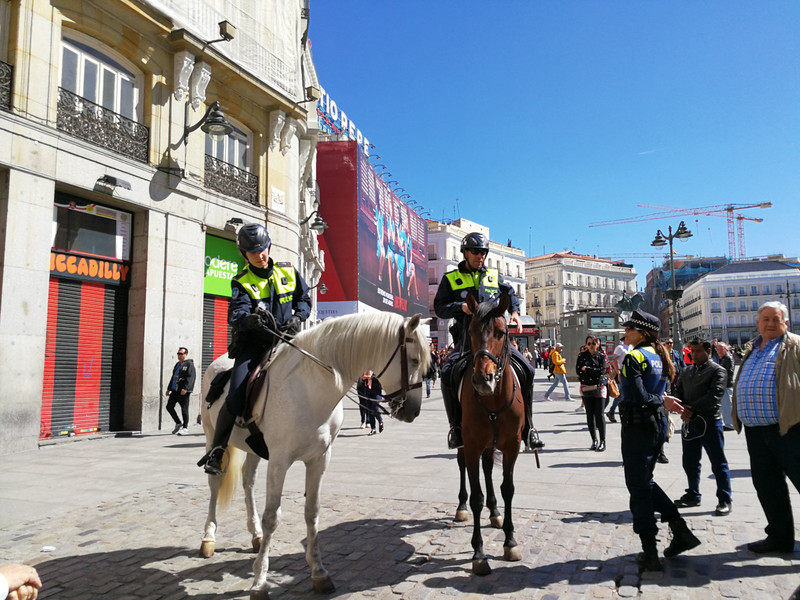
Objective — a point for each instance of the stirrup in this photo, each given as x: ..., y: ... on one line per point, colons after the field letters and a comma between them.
x: 212, y: 461
x: 533, y: 440
x: 454, y: 440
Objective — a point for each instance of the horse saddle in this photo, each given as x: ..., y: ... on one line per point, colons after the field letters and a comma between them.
x: 253, y: 407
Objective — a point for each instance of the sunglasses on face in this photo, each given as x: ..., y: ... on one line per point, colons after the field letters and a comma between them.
x: 480, y: 252
x: 181, y: 353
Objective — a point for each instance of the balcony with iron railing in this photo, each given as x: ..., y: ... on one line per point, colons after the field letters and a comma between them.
x: 231, y: 180
x: 6, y: 77
x: 101, y: 126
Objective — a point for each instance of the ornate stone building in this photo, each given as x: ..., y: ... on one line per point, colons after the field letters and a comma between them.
x: 136, y: 136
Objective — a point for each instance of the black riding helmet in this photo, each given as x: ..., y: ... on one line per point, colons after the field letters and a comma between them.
x: 474, y: 241
x: 253, y: 237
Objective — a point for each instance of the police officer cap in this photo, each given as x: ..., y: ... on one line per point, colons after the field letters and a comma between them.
x: 253, y: 237
x: 643, y: 321
x: 474, y: 241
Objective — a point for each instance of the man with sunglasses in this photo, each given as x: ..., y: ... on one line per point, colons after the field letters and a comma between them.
x: 473, y: 277
x: 179, y: 390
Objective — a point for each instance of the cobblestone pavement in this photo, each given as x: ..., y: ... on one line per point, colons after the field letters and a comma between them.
x: 122, y: 518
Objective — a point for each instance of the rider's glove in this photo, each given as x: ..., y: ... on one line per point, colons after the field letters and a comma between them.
x: 292, y: 326
x: 251, y: 322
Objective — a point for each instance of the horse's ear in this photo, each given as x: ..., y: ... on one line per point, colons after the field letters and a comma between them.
x: 505, y: 301
x: 413, y: 323
x: 472, y: 303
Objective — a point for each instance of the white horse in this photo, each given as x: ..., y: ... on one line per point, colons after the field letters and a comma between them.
x: 303, y: 416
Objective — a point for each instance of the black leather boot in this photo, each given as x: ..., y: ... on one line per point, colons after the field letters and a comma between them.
x: 529, y: 434
x: 648, y: 557
x: 212, y: 461
x: 682, y: 538
x: 453, y: 409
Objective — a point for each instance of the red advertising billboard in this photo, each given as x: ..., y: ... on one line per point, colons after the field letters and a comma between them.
x: 376, y: 246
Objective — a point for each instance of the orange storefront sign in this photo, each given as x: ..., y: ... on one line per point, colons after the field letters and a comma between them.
x: 88, y: 269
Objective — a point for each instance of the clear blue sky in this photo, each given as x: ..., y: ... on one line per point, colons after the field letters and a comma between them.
x: 539, y: 117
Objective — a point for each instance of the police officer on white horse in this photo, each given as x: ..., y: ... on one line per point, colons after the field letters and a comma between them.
x: 472, y: 276
x: 265, y: 297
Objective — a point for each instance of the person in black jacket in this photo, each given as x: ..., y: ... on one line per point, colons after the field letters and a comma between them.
x: 265, y: 296
x: 700, y: 389
x: 179, y: 390
x: 369, y: 394
x: 485, y: 283
x: 591, y: 370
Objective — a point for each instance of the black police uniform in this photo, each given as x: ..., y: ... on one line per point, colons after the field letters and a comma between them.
x: 644, y: 431
x: 279, y: 290
x: 486, y: 284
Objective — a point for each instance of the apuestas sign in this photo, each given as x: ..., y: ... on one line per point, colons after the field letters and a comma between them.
x: 334, y: 120
x: 87, y: 268
x: 222, y: 261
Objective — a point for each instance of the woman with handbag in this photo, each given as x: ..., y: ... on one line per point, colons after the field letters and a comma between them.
x: 591, y: 369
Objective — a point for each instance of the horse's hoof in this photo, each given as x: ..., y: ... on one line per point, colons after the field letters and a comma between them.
x: 461, y: 516
x: 512, y: 554
x: 481, y: 567
x: 323, y: 585
x: 262, y: 594
x: 496, y: 522
x: 256, y: 543
x: 207, y: 548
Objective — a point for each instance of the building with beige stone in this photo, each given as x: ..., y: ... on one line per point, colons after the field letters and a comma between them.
x: 119, y: 209
x: 565, y: 281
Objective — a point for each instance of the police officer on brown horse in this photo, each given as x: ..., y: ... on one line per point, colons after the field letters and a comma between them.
x: 473, y: 277
x: 265, y: 297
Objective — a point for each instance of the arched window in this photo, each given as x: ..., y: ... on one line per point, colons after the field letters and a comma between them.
x: 98, y: 76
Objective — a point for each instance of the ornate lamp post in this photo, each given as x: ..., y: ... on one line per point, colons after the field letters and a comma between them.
x: 674, y: 295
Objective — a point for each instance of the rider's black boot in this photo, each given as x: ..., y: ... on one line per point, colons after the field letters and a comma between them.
x: 212, y: 461
x: 453, y: 409
x: 529, y: 434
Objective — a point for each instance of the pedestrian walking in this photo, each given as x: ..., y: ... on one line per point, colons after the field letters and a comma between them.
x: 699, y: 389
x: 179, y: 390
x: 369, y: 395
x: 591, y: 370
x: 643, y: 411
x: 559, y: 372
x: 726, y: 362
x: 766, y: 403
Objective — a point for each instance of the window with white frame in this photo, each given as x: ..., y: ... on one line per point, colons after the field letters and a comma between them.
x: 233, y: 149
x: 99, y: 77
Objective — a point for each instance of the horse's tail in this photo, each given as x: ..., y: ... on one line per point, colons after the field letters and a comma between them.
x: 231, y: 477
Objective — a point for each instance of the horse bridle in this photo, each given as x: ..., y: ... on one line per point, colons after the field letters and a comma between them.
x: 398, y: 399
x: 501, y: 362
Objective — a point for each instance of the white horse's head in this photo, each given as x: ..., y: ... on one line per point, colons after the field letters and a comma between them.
x: 401, y: 378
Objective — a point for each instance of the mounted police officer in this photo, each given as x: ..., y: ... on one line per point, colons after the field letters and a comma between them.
x: 472, y: 276
x: 261, y: 292
x: 646, y: 369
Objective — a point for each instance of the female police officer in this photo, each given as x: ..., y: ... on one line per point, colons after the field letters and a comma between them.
x: 263, y: 286
x: 644, y: 375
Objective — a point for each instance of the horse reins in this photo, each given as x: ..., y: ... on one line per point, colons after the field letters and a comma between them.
x: 501, y: 366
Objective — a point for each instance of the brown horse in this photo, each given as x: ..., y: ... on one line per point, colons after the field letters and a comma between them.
x: 493, y: 416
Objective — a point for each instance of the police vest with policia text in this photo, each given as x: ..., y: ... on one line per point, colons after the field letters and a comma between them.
x: 486, y: 282
x: 282, y: 280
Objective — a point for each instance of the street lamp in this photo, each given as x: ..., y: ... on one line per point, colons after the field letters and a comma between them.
x: 674, y: 295
x: 317, y: 224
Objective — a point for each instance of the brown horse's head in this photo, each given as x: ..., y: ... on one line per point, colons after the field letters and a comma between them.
x: 488, y: 333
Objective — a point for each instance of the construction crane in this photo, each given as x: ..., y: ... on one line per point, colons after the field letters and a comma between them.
x: 735, y: 232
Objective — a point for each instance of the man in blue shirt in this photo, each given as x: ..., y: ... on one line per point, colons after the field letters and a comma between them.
x: 766, y: 401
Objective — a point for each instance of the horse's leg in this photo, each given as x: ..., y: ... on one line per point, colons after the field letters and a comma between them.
x: 248, y: 482
x: 461, y: 511
x: 276, y: 476
x: 319, y: 576
x: 207, y: 546
x: 487, y: 460
x: 511, y: 550
x: 480, y: 566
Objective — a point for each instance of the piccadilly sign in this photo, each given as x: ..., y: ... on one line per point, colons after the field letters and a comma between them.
x: 335, y: 121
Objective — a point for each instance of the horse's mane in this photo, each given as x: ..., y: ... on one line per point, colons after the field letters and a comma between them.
x: 351, y: 339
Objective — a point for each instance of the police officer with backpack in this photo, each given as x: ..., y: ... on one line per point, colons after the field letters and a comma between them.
x: 265, y: 296
x: 472, y: 276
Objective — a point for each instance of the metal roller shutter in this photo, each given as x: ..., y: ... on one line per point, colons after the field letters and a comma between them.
x: 84, y: 359
x: 216, y: 333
